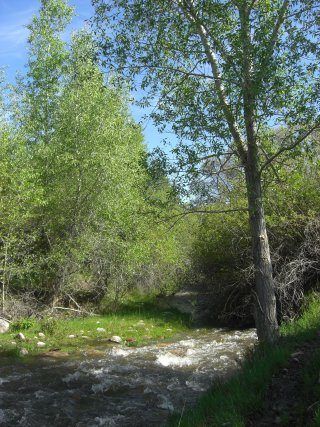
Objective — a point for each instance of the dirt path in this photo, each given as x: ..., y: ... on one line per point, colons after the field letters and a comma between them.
x: 284, y: 404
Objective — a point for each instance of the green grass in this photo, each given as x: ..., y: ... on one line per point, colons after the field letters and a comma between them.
x: 138, y: 323
x: 311, y: 389
x: 230, y: 403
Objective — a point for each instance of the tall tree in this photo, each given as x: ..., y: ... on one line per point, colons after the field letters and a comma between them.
x: 221, y: 71
x: 47, y: 55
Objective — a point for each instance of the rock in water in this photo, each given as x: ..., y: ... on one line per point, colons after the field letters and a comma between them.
x: 56, y: 354
x: 116, y: 339
x: 20, y: 336
x: 4, y: 326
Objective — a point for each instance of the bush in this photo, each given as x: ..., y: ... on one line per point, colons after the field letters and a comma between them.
x: 48, y: 325
x: 22, y: 324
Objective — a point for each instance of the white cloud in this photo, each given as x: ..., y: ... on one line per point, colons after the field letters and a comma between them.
x: 13, y: 33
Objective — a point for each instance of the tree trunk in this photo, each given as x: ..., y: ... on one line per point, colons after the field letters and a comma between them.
x: 265, y: 300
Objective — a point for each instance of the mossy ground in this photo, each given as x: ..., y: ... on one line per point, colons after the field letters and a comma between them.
x: 138, y: 323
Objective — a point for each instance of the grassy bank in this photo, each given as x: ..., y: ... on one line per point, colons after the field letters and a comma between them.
x: 138, y: 322
x: 230, y: 403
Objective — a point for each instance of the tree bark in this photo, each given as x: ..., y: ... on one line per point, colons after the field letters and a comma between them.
x: 265, y: 300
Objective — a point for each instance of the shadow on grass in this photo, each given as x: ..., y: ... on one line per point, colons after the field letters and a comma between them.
x: 150, y: 310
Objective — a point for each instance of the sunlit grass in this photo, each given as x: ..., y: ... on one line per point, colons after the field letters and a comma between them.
x: 138, y: 323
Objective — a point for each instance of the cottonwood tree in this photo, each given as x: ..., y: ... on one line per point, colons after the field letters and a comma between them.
x: 222, y: 72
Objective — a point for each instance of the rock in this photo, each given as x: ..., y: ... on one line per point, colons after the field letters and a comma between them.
x: 41, y: 344
x: 13, y: 343
x: 23, y: 352
x: 71, y: 336
x: 297, y: 353
x: 164, y: 344
x: 20, y: 336
x: 4, y: 326
x: 101, y: 330
x: 85, y: 337
x: 115, y: 339
x: 140, y: 324
x: 41, y: 335
x: 56, y: 354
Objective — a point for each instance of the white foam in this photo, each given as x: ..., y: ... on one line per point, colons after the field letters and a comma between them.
x: 72, y: 377
x: 3, y: 417
x: 108, y: 421
x: 195, y: 386
x: 169, y: 359
x: 165, y: 404
x: 116, y: 351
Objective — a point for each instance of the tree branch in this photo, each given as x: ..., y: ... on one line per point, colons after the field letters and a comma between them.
x: 298, y: 141
x: 203, y: 211
x: 273, y: 40
x: 191, y: 15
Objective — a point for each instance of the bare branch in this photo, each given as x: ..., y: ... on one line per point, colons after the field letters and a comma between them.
x: 75, y: 310
x: 272, y: 167
x: 298, y: 141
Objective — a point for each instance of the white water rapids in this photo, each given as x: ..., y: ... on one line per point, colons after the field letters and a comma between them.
x: 122, y: 387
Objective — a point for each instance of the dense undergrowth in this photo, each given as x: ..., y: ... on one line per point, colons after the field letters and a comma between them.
x: 230, y: 403
x: 87, y: 216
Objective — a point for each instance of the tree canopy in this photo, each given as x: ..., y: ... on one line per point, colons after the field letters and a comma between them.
x: 223, y: 73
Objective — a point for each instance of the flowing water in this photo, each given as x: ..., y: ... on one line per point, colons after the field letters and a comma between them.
x: 124, y: 386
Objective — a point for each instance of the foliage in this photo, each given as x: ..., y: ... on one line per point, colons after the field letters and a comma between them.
x: 48, y: 325
x: 217, y: 72
x: 22, y: 324
x: 220, y: 254
x: 77, y: 217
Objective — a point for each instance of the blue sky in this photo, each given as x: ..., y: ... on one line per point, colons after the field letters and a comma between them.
x: 15, y: 14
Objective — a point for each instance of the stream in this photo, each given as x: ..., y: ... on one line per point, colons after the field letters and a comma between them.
x: 120, y: 386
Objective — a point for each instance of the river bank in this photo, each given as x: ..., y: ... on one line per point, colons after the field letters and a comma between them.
x: 139, y: 322
x: 277, y: 386
x: 138, y: 381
